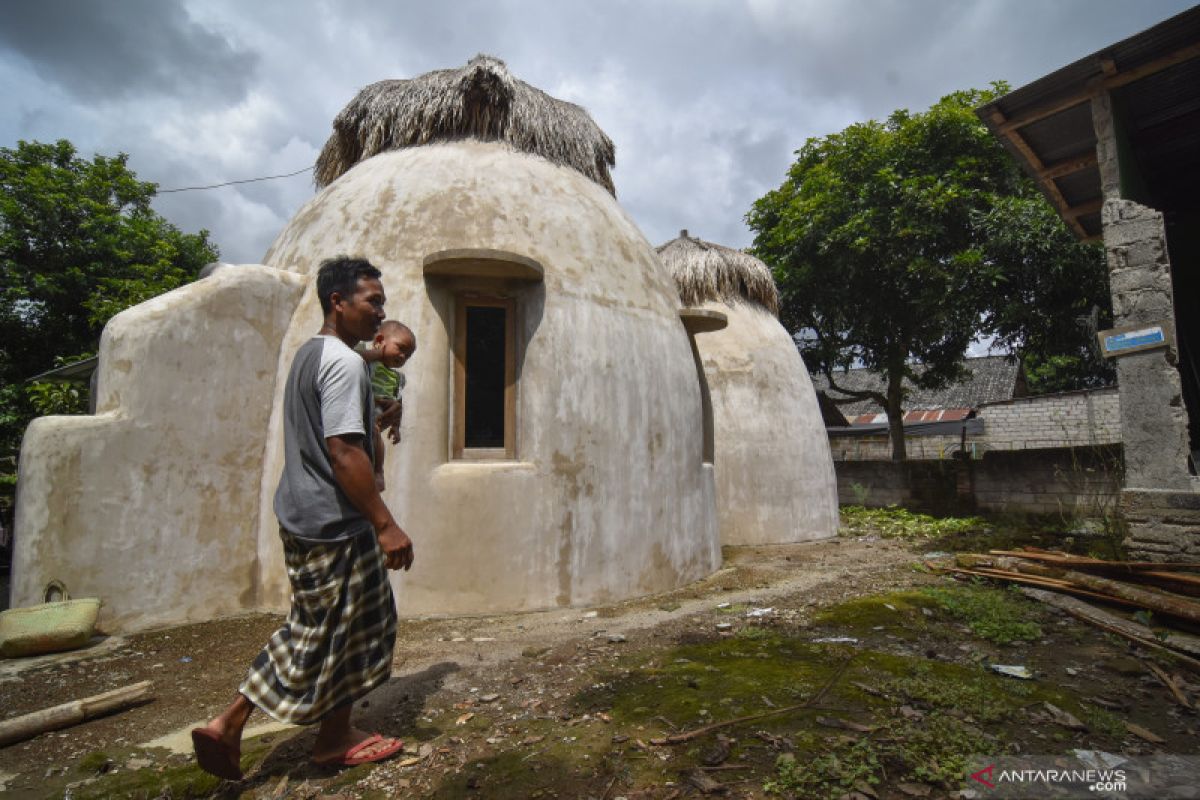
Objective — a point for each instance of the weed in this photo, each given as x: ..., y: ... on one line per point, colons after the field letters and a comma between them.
x: 754, y: 633
x: 831, y: 775
x: 894, y: 522
x: 1102, y: 722
x: 94, y: 763
x: 937, y: 749
x: 934, y: 750
x: 967, y: 693
x: 997, y: 615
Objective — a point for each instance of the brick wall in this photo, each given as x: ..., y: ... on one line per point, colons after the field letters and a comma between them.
x: 1073, y: 482
x: 1069, y: 419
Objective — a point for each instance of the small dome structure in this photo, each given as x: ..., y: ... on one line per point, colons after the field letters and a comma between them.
x: 549, y: 454
x: 773, y: 469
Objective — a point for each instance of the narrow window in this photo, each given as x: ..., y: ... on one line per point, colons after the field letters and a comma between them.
x: 485, y: 365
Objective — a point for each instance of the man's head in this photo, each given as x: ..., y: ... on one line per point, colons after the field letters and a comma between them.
x: 396, y: 343
x: 351, y: 296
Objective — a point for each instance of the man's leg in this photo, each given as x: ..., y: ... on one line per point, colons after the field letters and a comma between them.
x: 337, y: 737
x: 218, y: 744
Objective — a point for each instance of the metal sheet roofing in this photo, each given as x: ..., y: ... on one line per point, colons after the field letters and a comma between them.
x: 1154, y: 81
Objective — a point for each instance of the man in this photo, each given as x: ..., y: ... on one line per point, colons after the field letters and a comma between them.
x: 338, y: 538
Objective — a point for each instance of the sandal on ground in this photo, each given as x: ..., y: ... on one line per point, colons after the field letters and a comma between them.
x: 382, y: 749
x: 214, y: 756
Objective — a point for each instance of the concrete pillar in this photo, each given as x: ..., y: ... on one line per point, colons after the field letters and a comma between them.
x: 1153, y: 417
x: 1159, y: 505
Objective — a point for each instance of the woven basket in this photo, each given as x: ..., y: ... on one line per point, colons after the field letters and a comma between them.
x: 47, y: 628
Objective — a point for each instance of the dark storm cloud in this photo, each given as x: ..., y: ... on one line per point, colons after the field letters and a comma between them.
x: 706, y: 100
x: 99, y: 50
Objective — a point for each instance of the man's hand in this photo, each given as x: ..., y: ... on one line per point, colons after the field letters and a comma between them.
x: 353, y: 471
x: 397, y: 547
x: 391, y: 411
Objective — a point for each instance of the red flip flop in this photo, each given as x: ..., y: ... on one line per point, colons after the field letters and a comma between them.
x: 355, y: 755
x: 214, y: 756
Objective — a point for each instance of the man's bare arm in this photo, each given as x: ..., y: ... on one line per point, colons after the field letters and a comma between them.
x: 354, y: 473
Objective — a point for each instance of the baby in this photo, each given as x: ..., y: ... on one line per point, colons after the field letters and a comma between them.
x: 394, y: 344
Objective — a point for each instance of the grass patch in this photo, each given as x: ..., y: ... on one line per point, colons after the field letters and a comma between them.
x: 899, y: 613
x: 1002, y: 616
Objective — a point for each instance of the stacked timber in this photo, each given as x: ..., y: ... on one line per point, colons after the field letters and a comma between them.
x: 1166, y: 591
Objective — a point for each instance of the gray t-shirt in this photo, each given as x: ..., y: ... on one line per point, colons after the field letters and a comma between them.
x: 328, y: 393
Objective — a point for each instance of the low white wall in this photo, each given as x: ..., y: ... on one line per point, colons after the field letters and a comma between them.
x: 152, y: 504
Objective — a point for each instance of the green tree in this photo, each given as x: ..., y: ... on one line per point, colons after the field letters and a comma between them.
x: 878, y: 241
x: 1052, y: 296
x: 78, y: 243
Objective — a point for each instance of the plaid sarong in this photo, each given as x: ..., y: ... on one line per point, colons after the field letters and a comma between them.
x: 336, y: 644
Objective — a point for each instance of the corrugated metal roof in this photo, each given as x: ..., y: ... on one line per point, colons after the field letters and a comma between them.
x: 992, y: 378
x: 1154, y: 80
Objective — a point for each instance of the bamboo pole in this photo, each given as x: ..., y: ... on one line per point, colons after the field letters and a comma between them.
x: 29, y: 725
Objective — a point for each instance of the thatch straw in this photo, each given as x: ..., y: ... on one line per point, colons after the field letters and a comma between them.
x: 480, y: 101
x: 706, y: 271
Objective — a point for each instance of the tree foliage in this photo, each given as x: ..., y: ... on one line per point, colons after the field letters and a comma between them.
x: 1052, y: 296
x: 879, y: 241
x: 79, y: 242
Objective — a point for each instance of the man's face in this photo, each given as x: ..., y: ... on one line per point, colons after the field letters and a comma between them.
x: 396, y: 349
x: 362, y: 311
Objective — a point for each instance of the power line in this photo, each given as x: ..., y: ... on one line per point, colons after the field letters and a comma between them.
x: 231, y: 183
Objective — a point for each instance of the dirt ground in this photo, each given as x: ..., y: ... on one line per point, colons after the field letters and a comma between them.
x: 835, y: 647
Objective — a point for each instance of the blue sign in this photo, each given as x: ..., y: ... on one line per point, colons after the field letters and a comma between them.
x: 1142, y: 337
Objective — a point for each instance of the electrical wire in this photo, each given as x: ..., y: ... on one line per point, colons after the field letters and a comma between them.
x: 232, y: 183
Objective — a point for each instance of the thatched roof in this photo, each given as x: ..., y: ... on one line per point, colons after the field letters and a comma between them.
x: 706, y: 271
x: 481, y: 101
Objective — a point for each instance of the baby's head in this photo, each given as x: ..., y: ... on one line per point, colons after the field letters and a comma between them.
x: 395, y: 342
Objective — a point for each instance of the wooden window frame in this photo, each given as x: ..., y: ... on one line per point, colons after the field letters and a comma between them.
x: 459, y: 450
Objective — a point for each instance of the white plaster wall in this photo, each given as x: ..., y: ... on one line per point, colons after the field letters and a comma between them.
x: 774, y: 472
x: 608, y: 497
x: 152, y: 504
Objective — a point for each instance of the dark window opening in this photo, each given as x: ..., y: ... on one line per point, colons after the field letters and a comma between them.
x: 486, y: 355
x: 485, y: 378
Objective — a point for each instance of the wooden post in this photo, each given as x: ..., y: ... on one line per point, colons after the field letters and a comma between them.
x: 27, y: 726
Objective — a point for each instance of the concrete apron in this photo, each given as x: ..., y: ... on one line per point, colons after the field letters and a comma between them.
x: 180, y: 742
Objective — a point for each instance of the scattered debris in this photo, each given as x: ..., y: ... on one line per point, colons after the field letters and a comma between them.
x: 1013, y: 671
x: 1063, y: 718
x: 1142, y: 733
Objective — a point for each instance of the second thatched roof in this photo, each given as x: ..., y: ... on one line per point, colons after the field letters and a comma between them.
x: 482, y: 101
x: 707, y: 271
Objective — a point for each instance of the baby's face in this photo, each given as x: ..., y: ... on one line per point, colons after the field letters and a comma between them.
x: 395, y: 348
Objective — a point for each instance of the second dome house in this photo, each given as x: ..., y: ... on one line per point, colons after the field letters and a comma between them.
x: 765, y: 436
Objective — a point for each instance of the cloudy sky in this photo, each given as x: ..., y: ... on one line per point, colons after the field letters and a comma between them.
x: 706, y: 100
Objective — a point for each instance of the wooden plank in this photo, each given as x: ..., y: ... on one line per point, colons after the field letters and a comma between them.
x: 1067, y: 558
x: 1157, y: 65
x: 459, y: 435
x: 1109, y: 622
x: 1068, y: 167
x: 1090, y: 207
x: 1044, y: 583
x: 1109, y: 81
x: 1056, y: 196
